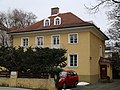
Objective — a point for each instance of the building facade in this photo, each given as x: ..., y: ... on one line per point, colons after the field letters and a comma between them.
x: 84, y: 42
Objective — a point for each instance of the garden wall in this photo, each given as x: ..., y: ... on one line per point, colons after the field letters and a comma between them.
x: 13, y: 81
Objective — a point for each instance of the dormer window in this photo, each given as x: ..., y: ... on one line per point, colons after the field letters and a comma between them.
x: 47, y: 22
x: 57, y: 21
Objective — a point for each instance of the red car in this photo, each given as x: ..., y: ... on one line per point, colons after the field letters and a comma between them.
x: 68, y: 78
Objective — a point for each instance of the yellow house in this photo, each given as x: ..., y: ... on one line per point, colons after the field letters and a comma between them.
x: 84, y: 41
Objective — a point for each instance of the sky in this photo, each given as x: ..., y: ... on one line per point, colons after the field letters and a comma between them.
x: 42, y: 9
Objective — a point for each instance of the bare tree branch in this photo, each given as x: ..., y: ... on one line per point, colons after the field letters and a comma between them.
x: 96, y: 7
x: 116, y: 1
x: 14, y: 20
x: 101, y: 3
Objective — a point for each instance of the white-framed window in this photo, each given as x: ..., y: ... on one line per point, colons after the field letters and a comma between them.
x: 73, y: 38
x: 57, y: 20
x: 73, y: 60
x: 40, y: 41
x: 55, y: 41
x: 25, y: 41
x: 47, y: 22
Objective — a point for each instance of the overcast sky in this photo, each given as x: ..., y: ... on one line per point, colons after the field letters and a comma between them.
x: 42, y: 9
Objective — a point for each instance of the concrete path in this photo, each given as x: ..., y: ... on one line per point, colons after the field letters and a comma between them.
x: 10, y: 88
x: 113, y: 85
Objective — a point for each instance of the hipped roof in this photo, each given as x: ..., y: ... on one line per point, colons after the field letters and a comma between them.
x: 68, y: 20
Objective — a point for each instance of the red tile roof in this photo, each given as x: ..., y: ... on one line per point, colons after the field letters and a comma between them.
x: 67, y: 20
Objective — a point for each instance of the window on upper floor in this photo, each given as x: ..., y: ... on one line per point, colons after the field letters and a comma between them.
x: 55, y: 41
x: 57, y: 21
x: 24, y: 41
x: 47, y: 22
x: 73, y: 38
x: 39, y: 41
x: 73, y: 60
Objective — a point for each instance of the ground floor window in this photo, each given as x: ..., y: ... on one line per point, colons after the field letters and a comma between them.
x: 73, y: 60
x: 25, y: 41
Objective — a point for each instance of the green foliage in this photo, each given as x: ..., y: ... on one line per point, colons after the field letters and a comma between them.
x: 116, y: 61
x: 116, y: 64
x: 33, y: 61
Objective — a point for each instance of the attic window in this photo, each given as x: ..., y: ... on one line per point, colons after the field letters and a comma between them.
x: 57, y: 21
x: 47, y: 22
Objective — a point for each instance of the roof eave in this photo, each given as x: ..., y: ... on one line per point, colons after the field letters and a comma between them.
x: 58, y: 28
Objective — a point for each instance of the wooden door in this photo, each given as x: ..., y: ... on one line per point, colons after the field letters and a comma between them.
x: 103, y: 71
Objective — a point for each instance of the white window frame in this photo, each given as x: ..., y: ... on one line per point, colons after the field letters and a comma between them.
x: 56, y: 19
x: 22, y: 41
x: 52, y: 42
x: 45, y: 22
x: 73, y: 61
x: 73, y: 41
x: 36, y: 41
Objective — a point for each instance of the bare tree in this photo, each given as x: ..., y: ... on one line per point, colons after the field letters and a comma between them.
x: 16, y: 18
x: 13, y: 20
x: 113, y: 14
x: 114, y: 20
x: 102, y: 3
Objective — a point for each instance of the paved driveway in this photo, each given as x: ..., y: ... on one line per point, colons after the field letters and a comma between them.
x: 114, y: 85
x: 9, y: 88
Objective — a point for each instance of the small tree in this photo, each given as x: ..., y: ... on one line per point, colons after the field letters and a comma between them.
x: 44, y: 59
x: 116, y: 65
x: 32, y: 60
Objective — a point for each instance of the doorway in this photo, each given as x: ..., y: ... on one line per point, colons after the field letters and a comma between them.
x: 103, y: 71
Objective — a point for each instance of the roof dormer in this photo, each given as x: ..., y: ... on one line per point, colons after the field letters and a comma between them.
x: 57, y: 20
x: 47, y: 22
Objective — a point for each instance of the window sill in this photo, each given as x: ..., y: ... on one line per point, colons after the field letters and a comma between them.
x: 72, y: 43
x: 40, y: 46
x: 24, y: 46
x: 73, y: 67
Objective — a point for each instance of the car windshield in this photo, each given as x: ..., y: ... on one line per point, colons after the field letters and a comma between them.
x: 63, y: 74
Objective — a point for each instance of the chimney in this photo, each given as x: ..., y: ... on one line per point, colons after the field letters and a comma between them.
x: 54, y: 10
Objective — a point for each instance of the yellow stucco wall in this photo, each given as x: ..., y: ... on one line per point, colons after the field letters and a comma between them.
x: 4, y: 81
x: 25, y: 82
x: 82, y: 48
x: 95, y: 44
x: 87, y: 49
x: 32, y: 83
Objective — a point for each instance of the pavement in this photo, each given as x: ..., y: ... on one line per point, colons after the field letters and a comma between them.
x: 112, y: 85
x: 10, y: 88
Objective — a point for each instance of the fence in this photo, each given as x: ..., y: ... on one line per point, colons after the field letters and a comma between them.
x: 4, y: 74
x: 13, y: 79
x: 29, y: 75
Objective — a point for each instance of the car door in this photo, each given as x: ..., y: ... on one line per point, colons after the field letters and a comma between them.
x: 72, y: 78
x: 68, y: 79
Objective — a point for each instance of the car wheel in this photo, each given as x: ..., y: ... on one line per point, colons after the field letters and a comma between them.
x: 75, y: 84
x: 64, y: 86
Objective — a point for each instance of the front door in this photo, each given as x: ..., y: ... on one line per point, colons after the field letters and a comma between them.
x: 103, y: 71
